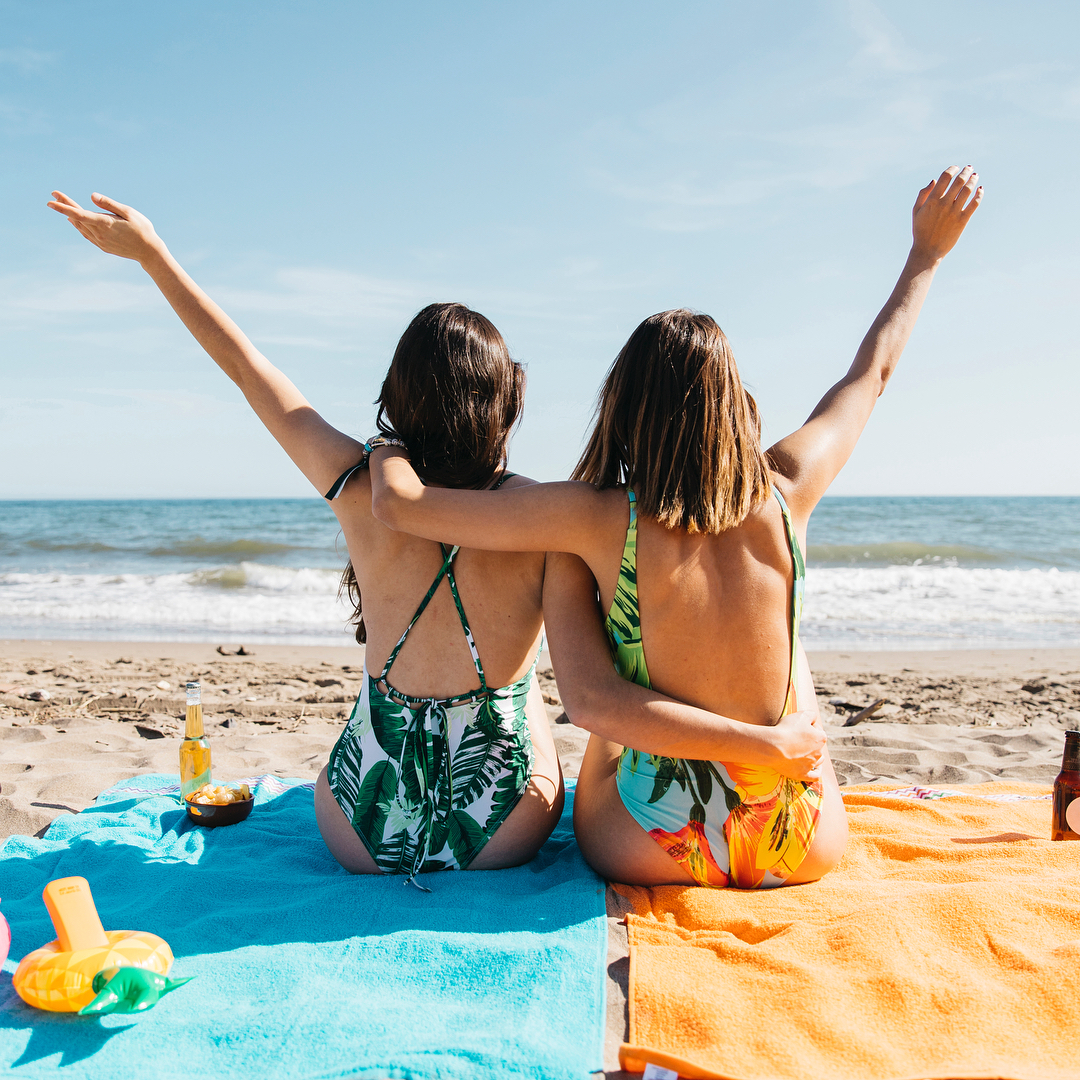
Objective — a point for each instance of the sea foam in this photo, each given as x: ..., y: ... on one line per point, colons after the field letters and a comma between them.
x: 253, y: 600
x: 936, y: 605
x: 921, y: 606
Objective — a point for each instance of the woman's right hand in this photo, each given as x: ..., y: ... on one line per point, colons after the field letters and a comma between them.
x: 119, y: 231
x: 942, y: 210
x: 798, y: 742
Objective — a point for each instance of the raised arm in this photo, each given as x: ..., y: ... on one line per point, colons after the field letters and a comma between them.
x: 598, y: 699
x: 320, y: 451
x: 810, y: 458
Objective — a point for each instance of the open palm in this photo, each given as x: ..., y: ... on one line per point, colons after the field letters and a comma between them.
x: 119, y: 231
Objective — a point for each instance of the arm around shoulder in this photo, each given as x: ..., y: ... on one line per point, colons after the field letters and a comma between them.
x: 564, y: 516
x: 598, y: 699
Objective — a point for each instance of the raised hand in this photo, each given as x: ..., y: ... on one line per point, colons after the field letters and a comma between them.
x: 119, y: 231
x: 942, y: 210
x: 798, y: 742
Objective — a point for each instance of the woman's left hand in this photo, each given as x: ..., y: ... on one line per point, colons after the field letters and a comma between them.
x: 119, y: 231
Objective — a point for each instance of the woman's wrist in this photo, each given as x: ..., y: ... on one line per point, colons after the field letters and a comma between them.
x: 921, y: 259
x: 157, y: 257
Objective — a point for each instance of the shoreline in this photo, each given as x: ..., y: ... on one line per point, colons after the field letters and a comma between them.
x: 1014, y: 658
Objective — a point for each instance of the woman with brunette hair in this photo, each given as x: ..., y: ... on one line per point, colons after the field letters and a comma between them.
x: 693, y: 536
x: 447, y: 760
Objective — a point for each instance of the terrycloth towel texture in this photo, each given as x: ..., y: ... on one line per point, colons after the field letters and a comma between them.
x: 303, y: 970
x: 946, y: 944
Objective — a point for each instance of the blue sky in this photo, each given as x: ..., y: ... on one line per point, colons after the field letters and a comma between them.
x: 325, y: 169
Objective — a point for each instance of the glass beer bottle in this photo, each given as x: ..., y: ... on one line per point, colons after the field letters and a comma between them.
x: 194, y: 750
x: 1066, y: 825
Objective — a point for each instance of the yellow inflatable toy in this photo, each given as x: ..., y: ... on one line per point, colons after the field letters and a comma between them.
x: 59, y: 976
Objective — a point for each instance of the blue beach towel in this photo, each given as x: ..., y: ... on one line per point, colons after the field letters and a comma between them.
x: 303, y: 970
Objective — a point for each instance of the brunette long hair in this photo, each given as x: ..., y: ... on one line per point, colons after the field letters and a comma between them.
x: 674, y: 423
x: 453, y: 394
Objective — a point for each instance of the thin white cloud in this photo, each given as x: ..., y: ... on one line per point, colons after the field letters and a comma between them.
x: 17, y: 120
x: 696, y: 161
x: 35, y: 298
x: 27, y: 61
x: 1051, y: 91
x: 327, y: 294
x: 883, y: 46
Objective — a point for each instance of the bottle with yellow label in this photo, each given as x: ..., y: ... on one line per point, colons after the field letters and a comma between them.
x: 194, y: 750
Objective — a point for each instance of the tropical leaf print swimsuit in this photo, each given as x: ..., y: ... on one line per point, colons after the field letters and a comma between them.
x: 427, y: 781
x: 725, y: 823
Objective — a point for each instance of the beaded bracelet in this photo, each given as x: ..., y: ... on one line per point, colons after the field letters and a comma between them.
x: 382, y: 440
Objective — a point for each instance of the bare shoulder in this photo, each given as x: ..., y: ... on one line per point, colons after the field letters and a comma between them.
x: 352, y: 507
x: 796, y: 504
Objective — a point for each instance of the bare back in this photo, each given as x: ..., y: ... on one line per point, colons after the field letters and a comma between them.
x: 715, y: 611
x: 500, y: 591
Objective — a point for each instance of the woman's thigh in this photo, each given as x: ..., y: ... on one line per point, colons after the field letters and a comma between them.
x: 619, y: 849
x: 529, y: 824
x: 830, y: 838
x: 613, y: 843
x: 516, y: 840
x: 337, y: 831
x: 526, y: 827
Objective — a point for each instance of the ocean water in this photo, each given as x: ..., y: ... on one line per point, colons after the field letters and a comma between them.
x: 882, y: 572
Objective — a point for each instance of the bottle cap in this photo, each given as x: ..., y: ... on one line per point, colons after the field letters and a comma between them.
x: 194, y: 693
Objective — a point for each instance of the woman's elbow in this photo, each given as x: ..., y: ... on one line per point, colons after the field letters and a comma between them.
x: 585, y: 708
x: 388, y: 507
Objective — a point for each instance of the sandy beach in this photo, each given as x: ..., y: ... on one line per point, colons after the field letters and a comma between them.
x: 78, y: 716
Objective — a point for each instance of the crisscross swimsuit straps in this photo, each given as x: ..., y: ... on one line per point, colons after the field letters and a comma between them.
x: 427, y: 781
x: 725, y: 823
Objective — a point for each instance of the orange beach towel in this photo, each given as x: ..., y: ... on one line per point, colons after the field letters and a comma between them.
x: 946, y: 944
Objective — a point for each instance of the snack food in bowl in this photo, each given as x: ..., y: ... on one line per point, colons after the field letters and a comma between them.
x: 217, y: 804
x: 220, y: 794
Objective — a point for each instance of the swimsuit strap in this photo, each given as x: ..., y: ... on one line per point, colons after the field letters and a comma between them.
x: 447, y: 572
x: 797, y: 586
x: 623, y: 620
x: 465, y: 622
x: 630, y: 547
x: 339, y: 484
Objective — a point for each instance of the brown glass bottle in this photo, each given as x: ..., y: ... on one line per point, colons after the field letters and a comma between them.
x: 1066, y: 824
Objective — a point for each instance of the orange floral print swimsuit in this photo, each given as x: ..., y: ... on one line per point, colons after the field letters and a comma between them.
x: 723, y: 822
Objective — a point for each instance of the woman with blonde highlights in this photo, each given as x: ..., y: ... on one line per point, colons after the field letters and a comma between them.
x: 693, y: 536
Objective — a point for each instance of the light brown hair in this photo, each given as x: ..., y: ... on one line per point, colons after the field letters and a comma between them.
x: 453, y: 394
x: 674, y: 423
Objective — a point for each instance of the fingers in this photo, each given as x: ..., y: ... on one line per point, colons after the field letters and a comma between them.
x: 924, y: 194
x: 973, y: 205
x: 74, y: 212
x: 60, y: 197
x: 63, y: 205
x: 941, y: 185
x: 119, y: 209
x: 962, y: 186
x: 958, y: 182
